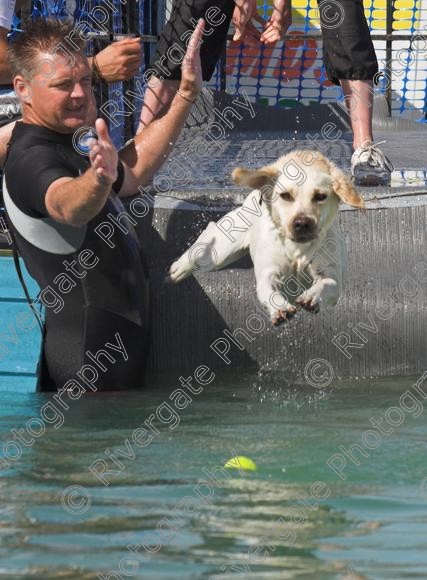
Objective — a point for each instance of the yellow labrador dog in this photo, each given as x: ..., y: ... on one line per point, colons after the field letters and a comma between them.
x: 286, y: 225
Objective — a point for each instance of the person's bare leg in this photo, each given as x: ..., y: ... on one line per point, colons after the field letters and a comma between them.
x: 369, y: 165
x: 158, y: 96
x: 359, y: 100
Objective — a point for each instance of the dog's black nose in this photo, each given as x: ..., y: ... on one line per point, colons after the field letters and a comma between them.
x: 303, y: 224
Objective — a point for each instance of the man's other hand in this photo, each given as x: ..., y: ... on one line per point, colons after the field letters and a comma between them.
x: 120, y: 60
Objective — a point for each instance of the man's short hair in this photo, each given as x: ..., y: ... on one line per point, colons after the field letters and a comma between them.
x: 41, y: 35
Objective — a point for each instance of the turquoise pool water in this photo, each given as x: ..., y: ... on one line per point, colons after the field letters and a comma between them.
x: 294, y: 517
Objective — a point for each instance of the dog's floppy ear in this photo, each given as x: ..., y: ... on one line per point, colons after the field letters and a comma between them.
x: 343, y: 187
x: 254, y: 178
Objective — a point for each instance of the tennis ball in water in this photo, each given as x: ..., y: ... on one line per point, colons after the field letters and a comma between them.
x: 241, y: 462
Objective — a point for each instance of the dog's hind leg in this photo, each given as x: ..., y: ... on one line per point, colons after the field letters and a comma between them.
x: 211, y: 251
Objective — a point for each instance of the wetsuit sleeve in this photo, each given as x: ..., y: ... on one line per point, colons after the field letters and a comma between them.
x: 28, y: 178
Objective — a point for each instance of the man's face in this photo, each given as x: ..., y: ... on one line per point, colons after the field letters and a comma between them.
x: 60, y: 96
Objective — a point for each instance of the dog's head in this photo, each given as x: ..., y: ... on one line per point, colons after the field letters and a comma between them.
x: 302, y: 191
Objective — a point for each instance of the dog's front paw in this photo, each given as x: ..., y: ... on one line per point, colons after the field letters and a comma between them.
x: 180, y: 269
x: 309, y: 302
x: 283, y: 314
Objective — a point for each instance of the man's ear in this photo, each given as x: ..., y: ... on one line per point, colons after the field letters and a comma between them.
x: 22, y: 88
x: 343, y: 187
x: 255, y: 178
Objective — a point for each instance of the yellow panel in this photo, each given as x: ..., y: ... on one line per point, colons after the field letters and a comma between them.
x: 299, y: 4
x: 373, y: 15
x: 402, y: 25
x: 379, y: 14
x: 403, y: 15
x: 378, y: 4
x: 378, y: 25
x: 399, y: 4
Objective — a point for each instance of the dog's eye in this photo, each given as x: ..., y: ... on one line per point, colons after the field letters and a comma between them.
x: 286, y: 196
x: 319, y: 196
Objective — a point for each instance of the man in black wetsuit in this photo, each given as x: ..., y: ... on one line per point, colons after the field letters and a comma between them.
x: 58, y: 201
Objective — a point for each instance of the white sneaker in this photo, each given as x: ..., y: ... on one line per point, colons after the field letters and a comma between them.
x: 369, y: 165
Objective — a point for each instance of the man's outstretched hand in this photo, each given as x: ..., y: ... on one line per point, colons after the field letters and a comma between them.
x: 191, y: 75
x: 103, y: 155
